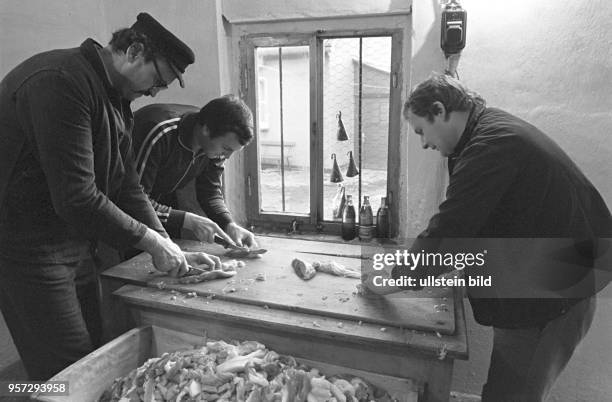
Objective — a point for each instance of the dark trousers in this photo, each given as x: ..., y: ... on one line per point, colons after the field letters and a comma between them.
x: 526, y: 362
x: 51, y: 311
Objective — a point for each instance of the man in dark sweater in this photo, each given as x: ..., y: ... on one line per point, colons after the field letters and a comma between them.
x: 67, y: 180
x: 183, y: 148
x: 511, y: 185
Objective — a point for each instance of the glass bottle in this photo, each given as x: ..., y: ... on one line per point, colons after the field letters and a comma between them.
x: 366, y: 220
x: 365, y: 214
x: 382, y: 219
x: 348, y: 220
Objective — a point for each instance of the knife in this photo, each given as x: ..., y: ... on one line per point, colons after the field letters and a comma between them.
x: 194, y: 271
x: 220, y: 240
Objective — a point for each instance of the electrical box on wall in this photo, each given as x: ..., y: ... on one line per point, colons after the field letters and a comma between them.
x: 452, y: 35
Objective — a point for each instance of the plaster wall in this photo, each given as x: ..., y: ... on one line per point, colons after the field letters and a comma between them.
x: 28, y: 27
x: 549, y: 62
x: 240, y: 10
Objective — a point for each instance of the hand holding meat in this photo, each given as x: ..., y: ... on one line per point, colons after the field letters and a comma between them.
x: 195, y: 258
x: 167, y: 256
x: 204, y: 229
x: 241, y: 236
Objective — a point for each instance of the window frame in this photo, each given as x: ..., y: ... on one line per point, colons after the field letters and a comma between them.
x: 313, y: 222
x: 263, y: 116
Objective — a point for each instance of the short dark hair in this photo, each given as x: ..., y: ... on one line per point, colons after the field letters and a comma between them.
x: 123, y: 38
x: 444, y: 89
x: 225, y: 114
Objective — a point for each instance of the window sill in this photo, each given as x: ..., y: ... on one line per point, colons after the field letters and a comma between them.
x: 329, y: 238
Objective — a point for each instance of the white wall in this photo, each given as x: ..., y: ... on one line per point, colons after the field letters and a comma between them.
x: 27, y: 27
x: 240, y: 10
x: 549, y: 62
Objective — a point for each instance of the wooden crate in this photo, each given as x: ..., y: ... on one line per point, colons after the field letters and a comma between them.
x: 90, y: 376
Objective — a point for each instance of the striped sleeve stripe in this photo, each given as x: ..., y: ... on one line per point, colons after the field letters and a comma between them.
x: 162, y: 211
x: 152, y: 137
x: 163, y: 218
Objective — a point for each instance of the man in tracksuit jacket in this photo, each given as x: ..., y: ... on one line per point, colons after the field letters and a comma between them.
x: 67, y: 180
x: 180, y: 147
x: 511, y: 185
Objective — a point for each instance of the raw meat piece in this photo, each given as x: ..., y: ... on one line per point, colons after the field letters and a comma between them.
x: 303, y: 269
x: 245, y: 253
x: 207, y: 276
x: 332, y: 267
x: 230, y: 265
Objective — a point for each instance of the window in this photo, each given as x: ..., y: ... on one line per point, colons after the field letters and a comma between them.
x: 356, y: 77
x: 284, y: 159
x: 312, y: 85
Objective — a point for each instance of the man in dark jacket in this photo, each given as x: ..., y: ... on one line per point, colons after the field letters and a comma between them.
x: 67, y: 179
x: 513, y: 188
x: 179, y: 147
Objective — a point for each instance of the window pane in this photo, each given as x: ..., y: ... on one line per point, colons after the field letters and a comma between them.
x: 341, y: 100
x: 283, y: 116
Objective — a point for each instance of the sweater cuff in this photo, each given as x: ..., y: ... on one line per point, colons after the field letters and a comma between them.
x: 175, y: 222
x: 223, y: 220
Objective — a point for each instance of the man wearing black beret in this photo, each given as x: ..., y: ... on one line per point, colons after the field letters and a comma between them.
x: 177, y: 54
x: 67, y: 180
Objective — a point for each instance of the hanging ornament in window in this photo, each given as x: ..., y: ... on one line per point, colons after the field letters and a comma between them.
x: 338, y: 202
x: 352, y: 170
x: 342, y: 136
x: 336, y: 175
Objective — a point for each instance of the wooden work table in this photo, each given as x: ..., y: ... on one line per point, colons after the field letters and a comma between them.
x: 405, y: 336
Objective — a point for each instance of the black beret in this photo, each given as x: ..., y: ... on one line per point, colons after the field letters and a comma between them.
x: 176, y: 52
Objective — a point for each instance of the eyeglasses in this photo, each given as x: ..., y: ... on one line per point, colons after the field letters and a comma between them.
x: 160, y: 83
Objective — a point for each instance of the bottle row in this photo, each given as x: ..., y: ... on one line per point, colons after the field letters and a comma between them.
x: 366, y: 229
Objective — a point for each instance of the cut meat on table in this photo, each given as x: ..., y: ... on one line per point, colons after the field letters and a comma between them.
x: 332, y: 267
x: 306, y: 270
x: 303, y: 269
x: 228, y: 269
x: 207, y: 276
x: 245, y: 253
